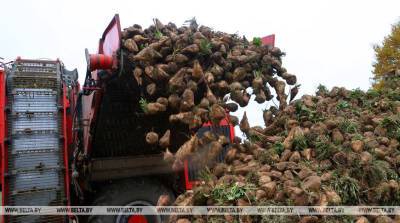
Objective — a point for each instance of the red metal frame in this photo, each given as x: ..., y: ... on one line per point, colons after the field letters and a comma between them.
x: 110, y: 41
x: 109, y: 44
x: 268, y: 40
x: 224, y: 122
x: 3, y: 134
x: 100, y: 62
x: 68, y: 102
x: 67, y: 128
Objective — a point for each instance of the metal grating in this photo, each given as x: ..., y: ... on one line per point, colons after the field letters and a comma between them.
x: 35, y: 156
x: 121, y: 126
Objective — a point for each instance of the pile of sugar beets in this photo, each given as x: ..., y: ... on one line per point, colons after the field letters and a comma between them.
x: 339, y: 147
x: 186, y: 74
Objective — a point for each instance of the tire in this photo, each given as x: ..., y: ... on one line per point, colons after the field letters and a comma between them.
x: 133, y: 192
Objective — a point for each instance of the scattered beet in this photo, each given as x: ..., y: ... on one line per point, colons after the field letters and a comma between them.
x: 152, y: 138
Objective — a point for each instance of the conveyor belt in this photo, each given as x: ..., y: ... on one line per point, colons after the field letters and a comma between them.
x: 121, y: 125
x: 35, y: 156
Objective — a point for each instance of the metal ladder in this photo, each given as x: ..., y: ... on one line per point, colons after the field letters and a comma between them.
x: 35, y: 155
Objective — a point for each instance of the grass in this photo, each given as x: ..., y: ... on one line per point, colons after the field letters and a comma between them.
x: 257, y: 73
x: 356, y: 112
x: 158, y: 34
x: 357, y: 136
x: 393, y: 95
x: 252, y: 177
x: 253, y: 138
x: 301, y: 110
x: 278, y: 147
x: 205, y: 175
x: 392, y: 174
x: 356, y: 93
x: 382, y: 194
x: 143, y: 104
x: 347, y: 188
x: 205, y: 47
x: 142, y: 46
x: 347, y: 126
x: 304, y: 113
x: 342, y: 105
x: 323, y: 148
x: 372, y: 174
x: 392, y: 124
x: 321, y: 89
x: 379, y: 171
x: 289, y: 202
x: 268, y: 157
x: 257, y: 41
x: 305, y: 163
x: 373, y: 93
x: 223, y: 193
x: 300, y: 142
x: 395, y: 200
x: 360, y: 96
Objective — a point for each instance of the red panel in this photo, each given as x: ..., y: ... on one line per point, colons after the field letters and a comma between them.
x: 188, y: 183
x: 269, y: 40
x: 232, y: 132
x: 109, y: 44
x: 224, y: 122
x: 100, y: 62
x: 110, y: 41
x: 66, y: 105
x: 73, y: 97
x: 69, y: 104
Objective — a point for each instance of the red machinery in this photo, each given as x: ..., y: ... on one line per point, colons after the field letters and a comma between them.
x: 60, y: 146
x: 37, y: 100
x: 269, y: 40
x: 113, y: 146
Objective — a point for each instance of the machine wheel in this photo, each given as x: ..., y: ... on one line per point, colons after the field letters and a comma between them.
x: 131, y: 192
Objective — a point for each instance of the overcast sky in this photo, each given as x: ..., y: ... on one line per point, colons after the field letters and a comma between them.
x: 327, y: 42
